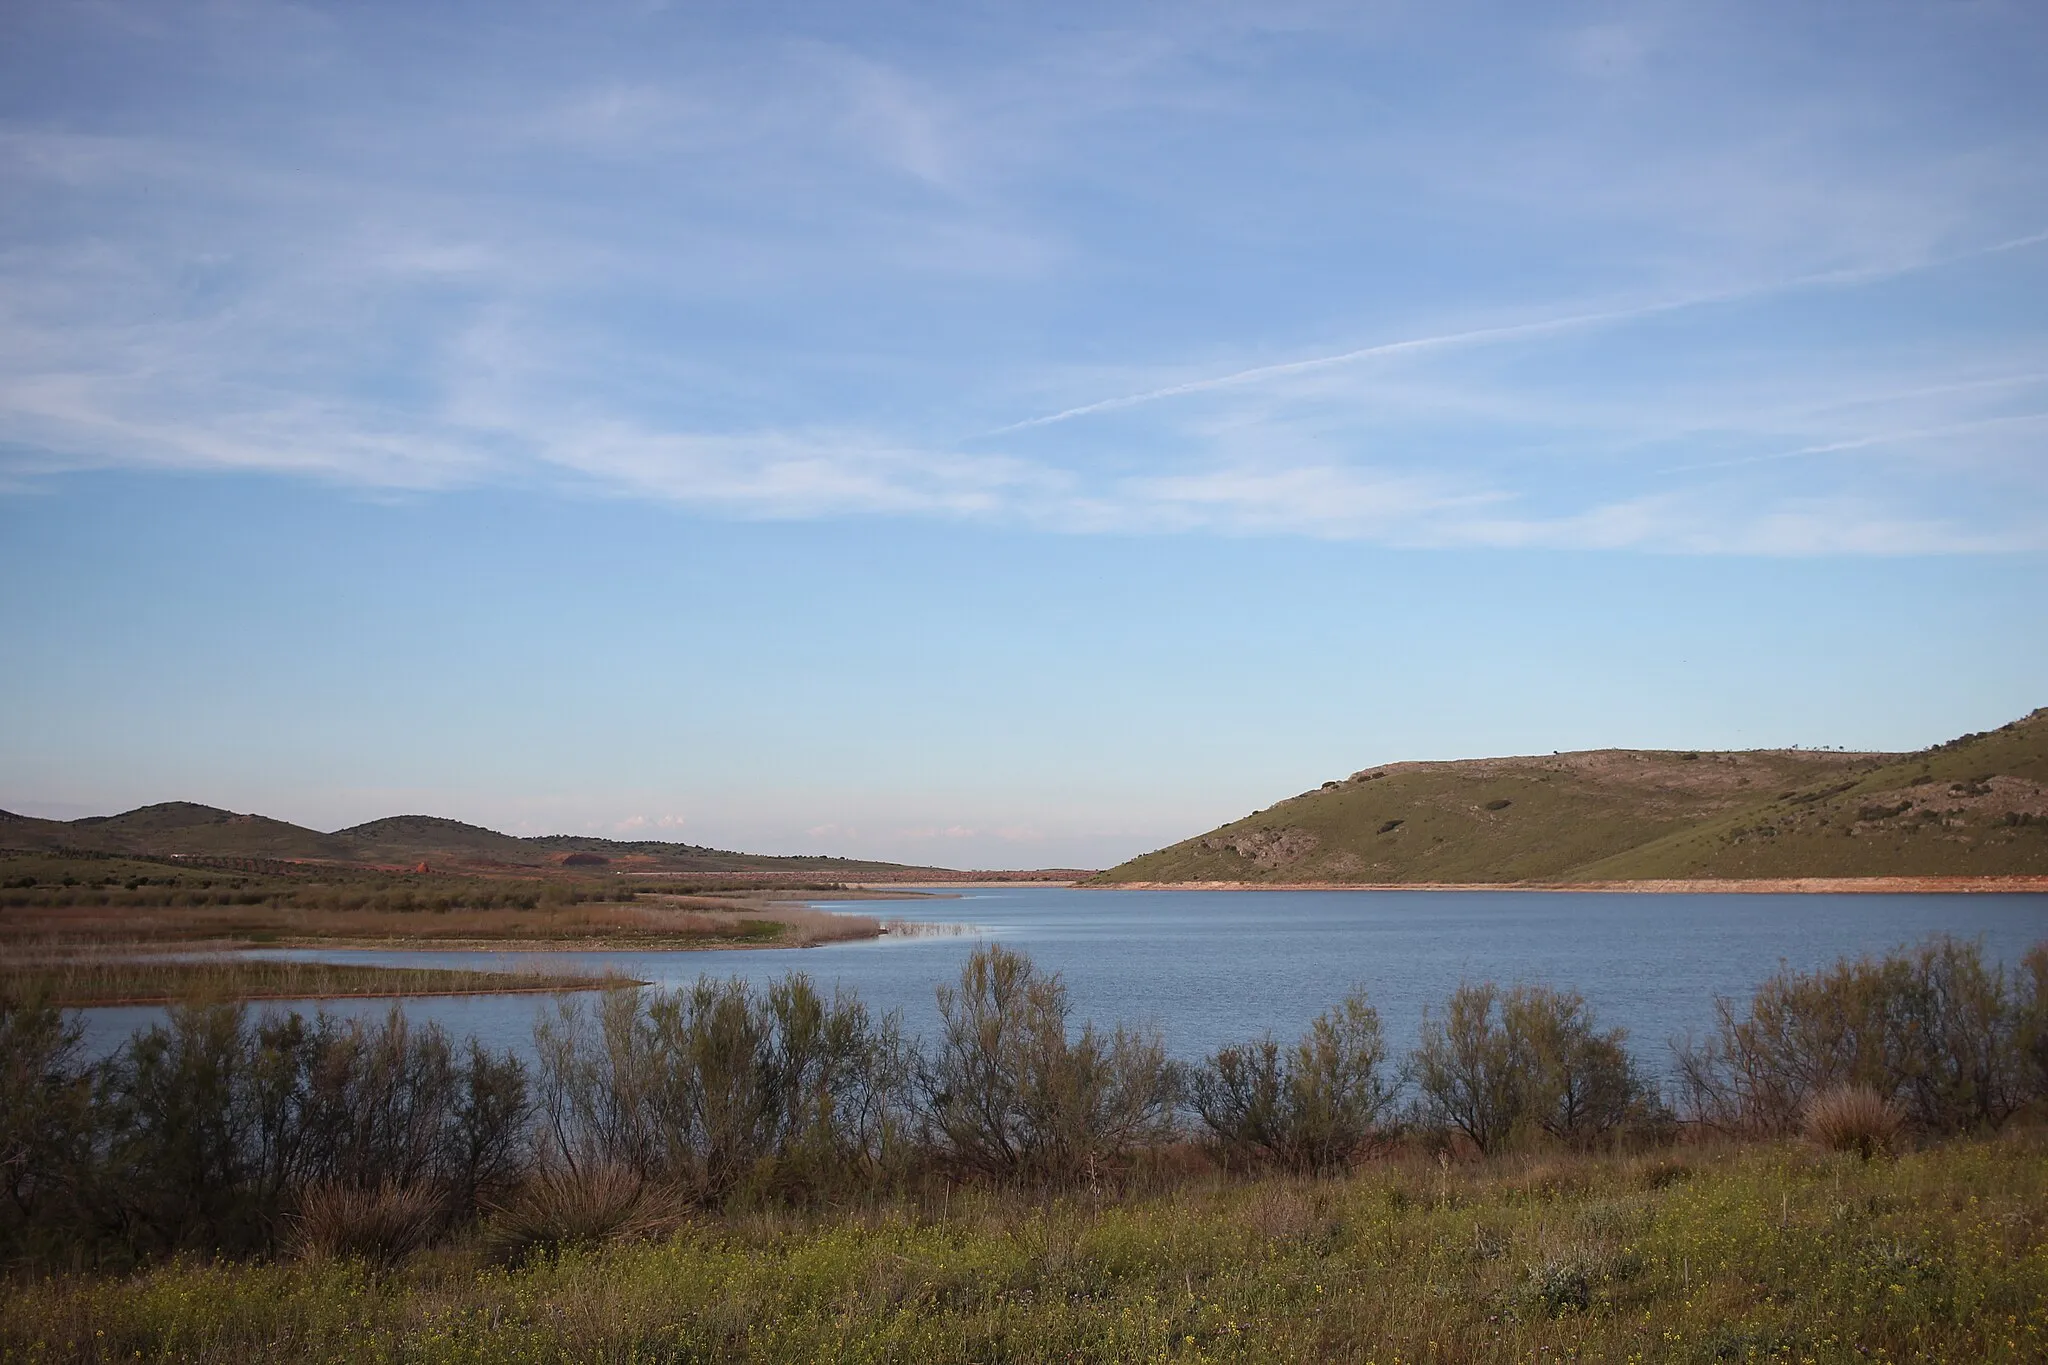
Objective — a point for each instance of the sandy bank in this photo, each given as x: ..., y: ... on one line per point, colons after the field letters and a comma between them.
x: 1697, y: 886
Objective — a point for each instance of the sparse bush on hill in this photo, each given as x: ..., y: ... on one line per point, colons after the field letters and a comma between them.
x: 1311, y: 1107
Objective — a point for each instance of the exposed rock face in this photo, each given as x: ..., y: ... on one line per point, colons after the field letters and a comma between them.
x: 1268, y: 848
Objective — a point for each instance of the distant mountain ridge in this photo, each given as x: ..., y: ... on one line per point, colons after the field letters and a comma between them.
x: 1975, y: 806
x: 187, y: 828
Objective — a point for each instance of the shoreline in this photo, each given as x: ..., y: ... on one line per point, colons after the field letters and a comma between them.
x: 594, y: 984
x: 540, y: 945
x: 2003, y: 885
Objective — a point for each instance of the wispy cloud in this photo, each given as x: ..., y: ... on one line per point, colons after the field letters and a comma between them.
x: 795, y: 274
x: 1512, y: 332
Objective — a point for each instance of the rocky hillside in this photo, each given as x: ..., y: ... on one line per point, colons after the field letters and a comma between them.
x: 1974, y: 806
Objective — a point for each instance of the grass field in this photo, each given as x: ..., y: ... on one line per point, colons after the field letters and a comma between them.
x: 1768, y: 1252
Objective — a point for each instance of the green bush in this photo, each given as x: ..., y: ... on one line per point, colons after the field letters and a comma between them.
x: 714, y: 1086
x: 46, y: 1126
x: 1503, y: 1066
x: 1311, y: 1107
x: 1953, y: 1043
x: 1008, y: 1093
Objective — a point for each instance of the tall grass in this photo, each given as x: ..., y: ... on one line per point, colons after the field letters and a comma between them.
x: 647, y: 922
x: 1758, y: 1253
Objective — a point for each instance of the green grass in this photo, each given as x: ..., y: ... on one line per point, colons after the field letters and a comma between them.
x: 1695, y: 1254
x: 1825, y: 829
x: 1639, y: 815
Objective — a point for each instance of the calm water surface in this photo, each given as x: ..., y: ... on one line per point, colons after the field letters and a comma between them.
x: 1209, y: 968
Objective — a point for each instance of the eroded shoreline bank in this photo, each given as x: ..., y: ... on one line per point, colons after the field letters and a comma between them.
x: 1670, y: 886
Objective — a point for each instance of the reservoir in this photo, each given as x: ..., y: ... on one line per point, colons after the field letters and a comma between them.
x: 1209, y: 968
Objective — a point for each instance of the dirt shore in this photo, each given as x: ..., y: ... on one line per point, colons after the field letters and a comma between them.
x: 1702, y: 885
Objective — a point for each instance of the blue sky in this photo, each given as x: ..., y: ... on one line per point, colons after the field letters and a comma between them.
x: 1001, y: 435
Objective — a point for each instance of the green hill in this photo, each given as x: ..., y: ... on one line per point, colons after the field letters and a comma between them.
x: 174, y: 827
x: 185, y: 828
x: 1974, y: 806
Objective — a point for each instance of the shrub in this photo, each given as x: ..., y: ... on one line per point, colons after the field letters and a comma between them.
x: 1498, y: 1066
x: 1933, y: 1030
x: 714, y: 1085
x: 45, y: 1123
x: 1852, y: 1118
x: 1310, y: 1107
x: 209, y: 1122
x: 564, y: 1207
x: 1008, y: 1093
x: 382, y: 1225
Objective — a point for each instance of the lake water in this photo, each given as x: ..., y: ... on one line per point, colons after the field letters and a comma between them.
x: 1209, y: 968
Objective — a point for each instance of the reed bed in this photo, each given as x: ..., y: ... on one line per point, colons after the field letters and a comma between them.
x: 654, y: 922
x: 102, y: 979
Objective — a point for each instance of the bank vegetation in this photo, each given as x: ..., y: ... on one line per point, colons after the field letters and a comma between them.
x: 1848, y: 1166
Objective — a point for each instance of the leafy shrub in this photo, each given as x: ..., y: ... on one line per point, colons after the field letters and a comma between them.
x: 1310, y: 1107
x: 1008, y: 1093
x: 45, y: 1123
x: 1499, y: 1066
x: 209, y: 1122
x: 1561, y: 1286
x: 1933, y: 1030
x: 382, y: 1225
x: 714, y: 1085
x: 1852, y: 1118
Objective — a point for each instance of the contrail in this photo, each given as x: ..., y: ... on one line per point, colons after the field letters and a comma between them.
x: 1344, y: 358
x: 1885, y: 438
x: 1520, y: 329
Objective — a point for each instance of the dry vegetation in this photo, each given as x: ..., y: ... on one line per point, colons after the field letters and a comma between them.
x: 106, y: 979
x: 69, y: 905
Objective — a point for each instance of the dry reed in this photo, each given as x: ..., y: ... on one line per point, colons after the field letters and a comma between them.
x: 562, y: 1207
x: 1853, y: 1118
x: 383, y: 1225
x: 103, y: 979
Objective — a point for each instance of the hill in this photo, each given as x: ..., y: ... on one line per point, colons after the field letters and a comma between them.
x: 183, y: 828
x: 1976, y: 806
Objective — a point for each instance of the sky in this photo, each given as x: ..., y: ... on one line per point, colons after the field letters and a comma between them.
x: 1001, y: 435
